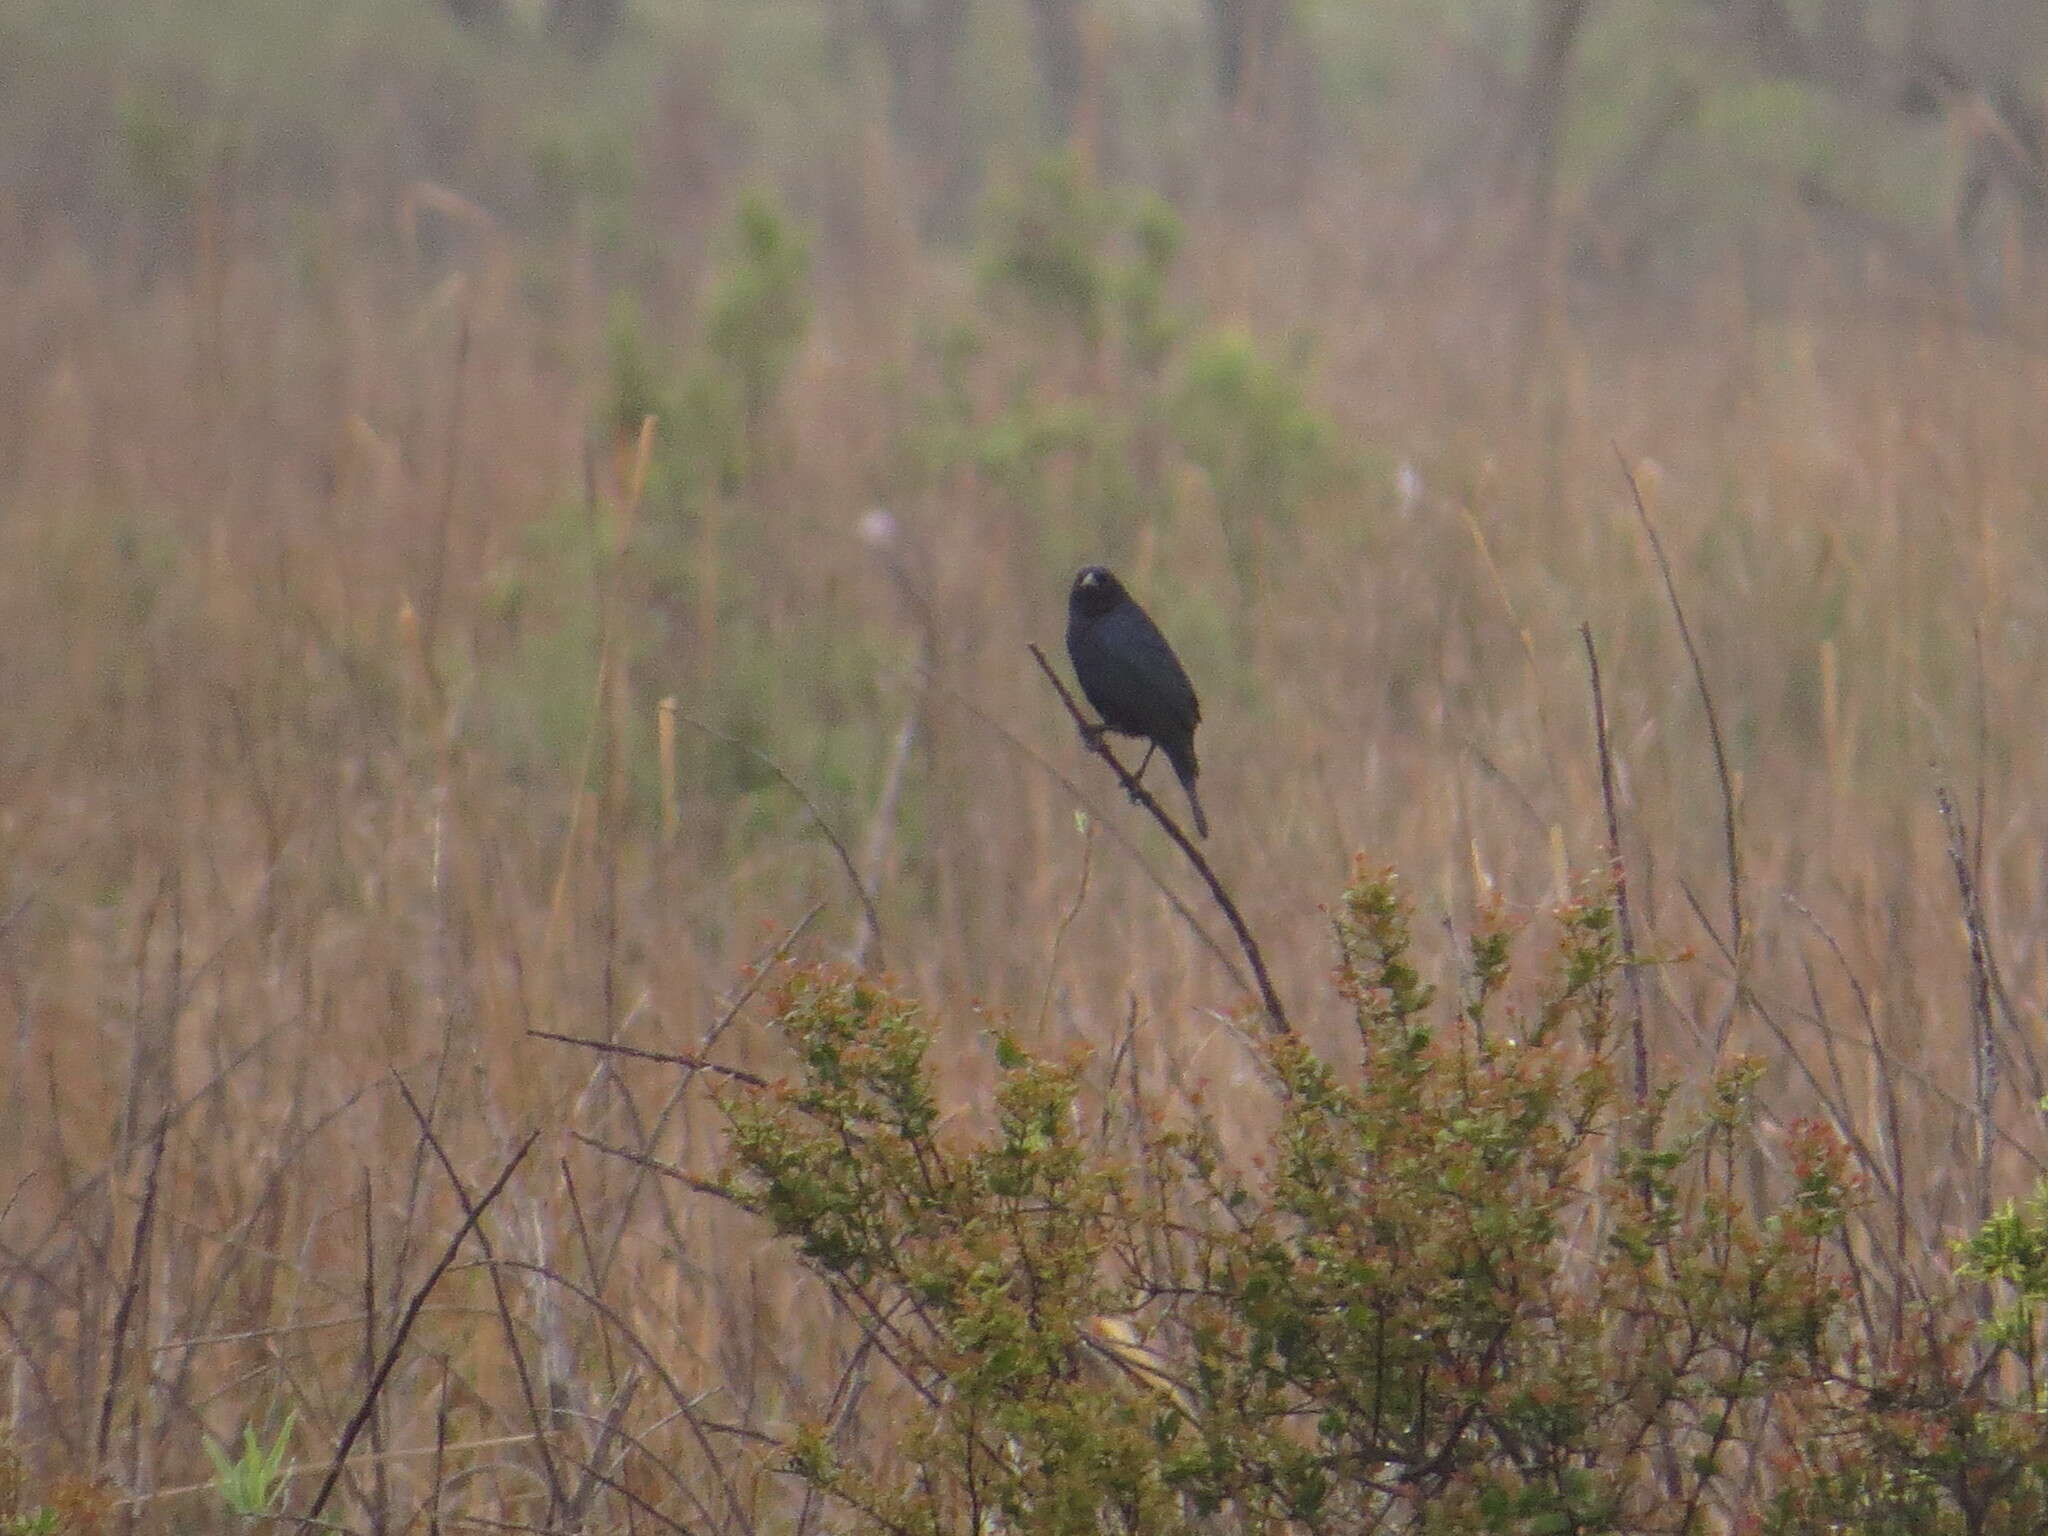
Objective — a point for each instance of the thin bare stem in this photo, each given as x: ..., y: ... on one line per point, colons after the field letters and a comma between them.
x: 1634, y: 982
x: 1984, y: 1063
x: 527, y: 1394
x: 405, y: 1324
x: 434, y: 593
x: 883, y: 822
x: 138, y: 1265
x: 667, y: 1058
x: 1116, y: 834
x: 1732, y: 845
x: 860, y: 887
x: 1059, y: 936
x: 380, y: 1477
x: 1093, y: 740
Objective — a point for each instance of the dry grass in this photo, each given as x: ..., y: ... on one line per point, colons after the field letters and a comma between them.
x: 266, y: 873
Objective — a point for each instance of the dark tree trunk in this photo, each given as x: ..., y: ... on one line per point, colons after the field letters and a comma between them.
x: 1243, y: 36
x: 476, y: 13
x: 587, y: 26
x: 1957, y: 61
x: 920, y: 42
x: 1062, y: 62
x: 1534, y: 151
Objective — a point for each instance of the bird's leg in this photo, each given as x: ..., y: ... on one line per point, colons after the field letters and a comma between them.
x: 1139, y: 777
x: 1092, y: 734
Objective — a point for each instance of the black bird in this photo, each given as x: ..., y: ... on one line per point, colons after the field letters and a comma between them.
x: 1132, y: 677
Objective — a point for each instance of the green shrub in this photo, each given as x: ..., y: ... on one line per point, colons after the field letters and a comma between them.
x: 1250, y: 427
x: 1927, y: 1443
x: 1063, y: 471
x: 1946, y: 1434
x: 1093, y: 261
x: 165, y: 158
x: 758, y: 311
x: 1466, y: 1284
x: 1073, y: 455
x: 1151, y: 326
x: 1048, y: 247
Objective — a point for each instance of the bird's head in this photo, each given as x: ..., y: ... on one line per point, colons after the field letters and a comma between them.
x: 1096, y: 590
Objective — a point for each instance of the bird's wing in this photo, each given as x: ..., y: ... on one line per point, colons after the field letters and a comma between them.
x: 1145, y: 650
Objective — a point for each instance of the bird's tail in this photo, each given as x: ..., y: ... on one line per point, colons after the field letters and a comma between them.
x: 1184, y: 770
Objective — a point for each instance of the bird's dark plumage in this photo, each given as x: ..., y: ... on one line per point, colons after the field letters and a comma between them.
x: 1131, y: 675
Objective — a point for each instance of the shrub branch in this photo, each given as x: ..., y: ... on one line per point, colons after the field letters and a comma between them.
x: 1093, y: 740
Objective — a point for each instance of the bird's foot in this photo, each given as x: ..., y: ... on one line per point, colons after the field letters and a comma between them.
x: 1139, y: 777
x: 1091, y: 736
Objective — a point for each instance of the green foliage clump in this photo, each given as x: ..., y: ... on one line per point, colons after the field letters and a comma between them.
x: 2010, y: 1251
x: 583, y: 172
x: 1050, y: 243
x: 1090, y: 261
x: 1064, y: 468
x: 1119, y: 382
x: 1468, y: 1284
x: 1486, y: 1278
x: 1071, y: 441
x: 663, y: 579
x: 162, y: 148
x: 994, y: 1247
x: 1248, y: 424
x: 638, y: 385
x: 713, y: 411
x: 252, y: 1482
x: 758, y: 312
x: 1925, y: 1444
x: 1150, y: 323
x: 1948, y: 1436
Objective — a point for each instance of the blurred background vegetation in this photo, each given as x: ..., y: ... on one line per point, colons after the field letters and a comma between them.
x: 506, y: 505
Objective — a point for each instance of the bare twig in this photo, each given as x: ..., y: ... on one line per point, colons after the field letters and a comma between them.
x: 846, y: 1396
x: 860, y: 887
x: 667, y: 1058
x: 599, y: 1256
x: 756, y: 974
x: 138, y: 1266
x: 1276, y: 1015
x: 433, y: 594
x: 686, y: 1405
x: 380, y: 1477
x: 1181, y: 909
x: 527, y: 1394
x: 2019, y: 1035
x: 637, y: 1500
x: 440, y: 1453
x: 1623, y: 916
x: 883, y: 822
x: 610, y: 1428
x: 1732, y: 847
x: 405, y: 1324
x: 1983, y: 1041
x: 1059, y: 937
x: 653, y: 1165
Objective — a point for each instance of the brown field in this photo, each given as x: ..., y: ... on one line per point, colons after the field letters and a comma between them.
x: 332, y: 768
